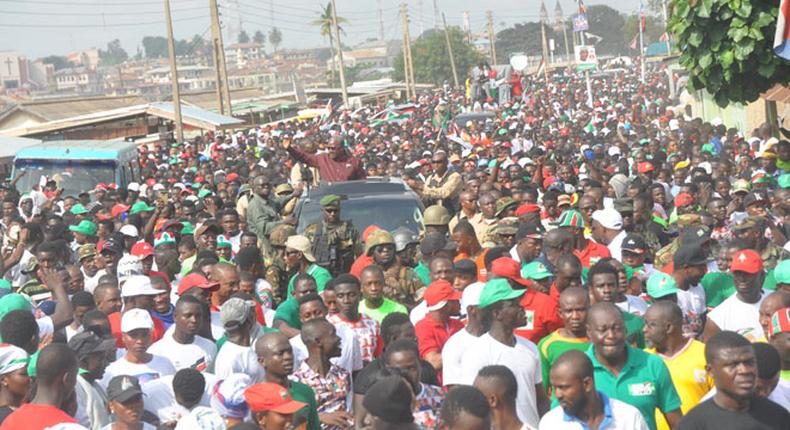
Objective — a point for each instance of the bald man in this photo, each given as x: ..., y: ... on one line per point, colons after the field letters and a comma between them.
x: 228, y: 277
x: 574, y: 305
x: 574, y: 387
x: 499, y: 386
x: 276, y: 356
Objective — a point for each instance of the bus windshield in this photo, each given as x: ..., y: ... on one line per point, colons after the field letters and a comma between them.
x: 74, y: 176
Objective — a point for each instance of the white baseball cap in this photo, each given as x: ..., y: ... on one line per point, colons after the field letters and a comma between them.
x: 609, y: 218
x: 135, y: 319
x: 138, y: 285
x: 133, y: 186
x: 128, y: 266
x: 129, y: 230
x: 471, y: 295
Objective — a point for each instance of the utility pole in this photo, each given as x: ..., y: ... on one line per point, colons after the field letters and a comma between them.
x: 339, y: 55
x: 666, y: 25
x: 381, y: 21
x: 642, y: 19
x: 491, y: 37
x: 435, y: 15
x: 419, y: 11
x: 223, y: 88
x: 450, y: 50
x: 408, y: 65
x: 171, y: 51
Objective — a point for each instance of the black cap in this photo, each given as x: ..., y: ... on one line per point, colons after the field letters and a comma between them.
x: 113, y: 244
x: 530, y: 230
x: 121, y: 388
x: 635, y: 244
x: 465, y: 266
x: 755, y: 197
x: 389, y: 399
x: 87, y: 343
x: 694, y: 236
x: 690, y: 255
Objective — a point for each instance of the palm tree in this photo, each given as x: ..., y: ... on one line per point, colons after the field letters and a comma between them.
x: 324, y: 23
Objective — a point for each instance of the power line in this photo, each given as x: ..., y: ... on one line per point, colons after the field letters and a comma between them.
x: 36, y: 13
x: 72, y: 4
x: 124, y: 24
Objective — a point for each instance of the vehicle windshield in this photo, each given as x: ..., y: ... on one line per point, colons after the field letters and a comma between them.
x: 74, y: 176
x: 388, y: 214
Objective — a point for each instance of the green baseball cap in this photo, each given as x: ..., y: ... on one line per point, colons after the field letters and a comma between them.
x: 141, y: 207
x: 204, y: 192
x: 784, y: 181
x: 78, y: 209
x: 660, y: 285
x: 535, y: 271
x: 741, y: 186
x: 187, y: 229
x: 708, y: 148
x: 13, y: 302
x: 571, y: 218
x: 782, y: 272
x: 223, y: 242
x: 86, y: 227
x: 498, y: 290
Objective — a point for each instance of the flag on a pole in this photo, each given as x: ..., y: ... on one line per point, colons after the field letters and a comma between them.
x: 782, y: 36
x: 664, y: 37
x: 582, y: 9
x: 327, y: 112
x: 634, y: 41
x: 541, y: 69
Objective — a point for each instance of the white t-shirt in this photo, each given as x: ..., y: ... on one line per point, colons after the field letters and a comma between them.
x: 91, y: 282
x: 70, y: 332
x: 198, y: 355
x: 223, y: 366
x: 522, y: 359
x: 146, y: 426
x: 743, y: 318
x: 418, y: 313
x: 781, y: 394
x: 217, y: 329
x: 350, y: 351
x: 632, y: 305
x: 14, y: 274
x: 161, y: 400
x: 156, y: 368
x: 692, y: 303
x: 624, y: 417
x: 46, y: 326
x: 453, y: 354
x: 245, y: 362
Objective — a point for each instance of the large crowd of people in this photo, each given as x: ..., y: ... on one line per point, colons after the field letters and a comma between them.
x: 611, y: 263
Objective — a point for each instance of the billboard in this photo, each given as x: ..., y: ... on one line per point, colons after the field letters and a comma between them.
x: 585, y: 57
x: 580, y: 22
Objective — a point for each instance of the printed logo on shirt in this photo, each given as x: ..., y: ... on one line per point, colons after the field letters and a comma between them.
x: 643, y: 389
x: 701, y: 376
x: 530, y: 317
x: 200, y: 365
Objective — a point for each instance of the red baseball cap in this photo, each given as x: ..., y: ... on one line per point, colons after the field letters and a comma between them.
x: 196, y: 280
x: 150, y: 182
x: 779, y: 323
x: 527, y: 208
x: 118, y: 209
x: 645, y: 167
x: 748, y: 261
x: 439, y: 293
x: 268, y: 396
x: 231, y: 177
x: 506, y: 267
x: 142, y: 250
x: 683, y: 199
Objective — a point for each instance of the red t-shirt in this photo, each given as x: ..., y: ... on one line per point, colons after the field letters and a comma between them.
x: 542, y: 316
x: 592, y: 254
x: 36, y: 417
x: 359, y: 264
x: 115, y: 325
x: 432, y: 335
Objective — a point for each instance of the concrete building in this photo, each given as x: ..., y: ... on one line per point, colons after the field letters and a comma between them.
x: 241, y: 54
x: 10, y: 73
x: 81, y: 80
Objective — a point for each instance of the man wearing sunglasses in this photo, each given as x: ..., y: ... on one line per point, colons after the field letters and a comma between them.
x: 442, y: 187
x: 335, y: 242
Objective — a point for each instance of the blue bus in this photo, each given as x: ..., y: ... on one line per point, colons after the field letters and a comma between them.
x: 77, y: 165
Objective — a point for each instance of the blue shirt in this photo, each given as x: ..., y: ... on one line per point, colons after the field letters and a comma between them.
x: 607, y: 414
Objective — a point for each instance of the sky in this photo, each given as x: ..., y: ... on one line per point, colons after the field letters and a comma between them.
x: 37, y: 28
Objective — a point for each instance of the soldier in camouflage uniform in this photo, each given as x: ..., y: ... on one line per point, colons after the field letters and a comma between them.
x: 690, y: 227
x: 752, y: 231
x: 274, y: 262
x: 401, y: 283
x: 335, y: 242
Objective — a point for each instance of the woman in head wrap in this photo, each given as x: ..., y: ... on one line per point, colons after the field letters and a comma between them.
x: 227, y: 398
x: 14, y: 380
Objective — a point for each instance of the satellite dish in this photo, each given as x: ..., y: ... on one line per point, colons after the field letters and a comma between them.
x: 518, y: 62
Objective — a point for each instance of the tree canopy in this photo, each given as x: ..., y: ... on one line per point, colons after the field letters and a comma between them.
x: 115, y: 54
x: 726, y: 46
x: 432, y: 61
x: 275, y: 37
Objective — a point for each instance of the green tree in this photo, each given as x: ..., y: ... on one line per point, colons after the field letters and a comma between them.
x: 244, y: 37
x: 726, y: 46
x: 523, y: 37
x: 275, y: 38
x: 608, y: 24
x: 432, y: 61
x: 654, y: 27
x: 155, y: 46
x: 57, y: 61
x: 115, y: 54
x: 259, y: 38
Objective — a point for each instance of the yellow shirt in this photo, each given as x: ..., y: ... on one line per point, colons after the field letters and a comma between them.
x: 687, y: 368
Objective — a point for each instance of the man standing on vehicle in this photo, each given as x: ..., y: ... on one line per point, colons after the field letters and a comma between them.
x: 442, y: 187
x: 334, y: 166
x: 335, y: 242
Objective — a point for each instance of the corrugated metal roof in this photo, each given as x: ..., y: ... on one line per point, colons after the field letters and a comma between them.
x: 61, y: 108
x: 779, y: 94
x: 194, y: 115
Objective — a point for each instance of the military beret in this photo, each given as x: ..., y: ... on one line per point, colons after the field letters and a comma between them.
x: 330, y: 200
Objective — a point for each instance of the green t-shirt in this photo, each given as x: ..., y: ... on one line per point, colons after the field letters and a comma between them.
x: 186, y: 265
x: 321, y: 276
x: 718, y: 287
x: 288, y: 311
x: 386, y: 308
x: 423, y: 272
x: 644, y: 382
x: 785, y: 374
x: 303, y: 393
x: 554, y: 345
x: 633, y: 329
x: 769, y: 284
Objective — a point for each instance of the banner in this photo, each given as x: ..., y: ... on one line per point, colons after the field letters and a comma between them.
x: 585, y: 57
x: 580, y: 22
x: 782, y: 35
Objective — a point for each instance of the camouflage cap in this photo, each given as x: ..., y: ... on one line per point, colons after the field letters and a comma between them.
x: 624, y: 205
x: 283, y: 188
x: 280, y: 234
x: 86, y: 251
x: 330, y: 200
x: 378, y: 237
x: 504, y: 203
x: 748, y: 223
x: 507, y: 226
x: 686, y: 220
